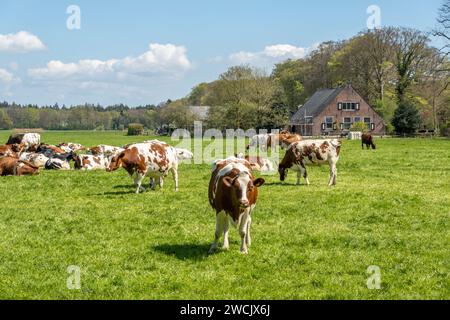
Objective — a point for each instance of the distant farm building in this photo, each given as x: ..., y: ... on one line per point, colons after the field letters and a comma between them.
x: 333, y: 112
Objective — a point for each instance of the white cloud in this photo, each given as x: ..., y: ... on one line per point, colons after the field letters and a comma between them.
x: 159, y: 60
x: 21, y: 41
x: 7, y: 78
x: 271, y: 54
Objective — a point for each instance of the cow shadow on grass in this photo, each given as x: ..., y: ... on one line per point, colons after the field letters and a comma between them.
x: 187, y: 251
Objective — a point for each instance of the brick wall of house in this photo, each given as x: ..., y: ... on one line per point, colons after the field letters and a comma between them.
x: 348, y: 94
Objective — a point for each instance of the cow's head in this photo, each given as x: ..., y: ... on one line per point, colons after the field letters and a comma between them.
x: 115, y: 162
x: 184, y: 154
x: 282, y: 170
x: 374, y: 146
x: 242, y: 186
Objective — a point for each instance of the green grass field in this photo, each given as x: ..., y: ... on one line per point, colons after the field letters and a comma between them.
x: 390, y: 209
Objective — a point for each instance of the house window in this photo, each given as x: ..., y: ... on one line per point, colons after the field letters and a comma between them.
x: 357, y: 119
x: 349, y: 106
x: 329, y: 123
x: 367, y: 122
x: 347, y: 123
x: 308, y: 120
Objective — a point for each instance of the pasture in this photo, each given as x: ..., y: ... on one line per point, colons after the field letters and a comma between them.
x: 390, y: 208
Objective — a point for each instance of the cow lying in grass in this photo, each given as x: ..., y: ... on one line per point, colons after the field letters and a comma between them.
x: 11, y: 150
x: 91, y: 162
x: 154, y: 159
x: 310, y: 152
x: 233, y: 192
x: 258, y: 163
x: 10, y: 166
x: 36, y: 159
x: 30, y: 141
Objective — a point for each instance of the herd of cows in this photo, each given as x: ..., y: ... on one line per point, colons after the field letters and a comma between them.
x: 233, y: 189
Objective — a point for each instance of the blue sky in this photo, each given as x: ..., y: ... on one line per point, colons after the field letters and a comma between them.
x: 141, y: 52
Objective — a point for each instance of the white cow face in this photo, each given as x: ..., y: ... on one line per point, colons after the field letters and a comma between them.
x: 184, y: 154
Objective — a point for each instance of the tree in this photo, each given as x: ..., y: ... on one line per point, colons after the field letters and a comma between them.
x: 410, y: 53
x: 5, y: 120
x: 406, y: 118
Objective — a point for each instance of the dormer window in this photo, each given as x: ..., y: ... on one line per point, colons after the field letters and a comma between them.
x: 348, y: 106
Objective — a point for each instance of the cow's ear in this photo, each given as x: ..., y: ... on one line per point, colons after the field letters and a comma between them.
x: 227, y: 181
x: 258, y: 182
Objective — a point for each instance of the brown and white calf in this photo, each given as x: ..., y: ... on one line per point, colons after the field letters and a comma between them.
x: 258, y: 163
x: 310, y: 152
x: 91, y: 162
x: 233, y: 192
x: 367, y: 139
x: 153, y: 159
x: 10, y: 166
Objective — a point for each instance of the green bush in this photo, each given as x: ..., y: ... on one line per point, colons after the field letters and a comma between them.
x: 359, y: 126
x: 135, y: 129
x: 445, y: 129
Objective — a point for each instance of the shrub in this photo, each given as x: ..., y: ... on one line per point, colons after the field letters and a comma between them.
x: 445, y: 129
x: 359, y: 126
x: 406, y: 118
x: 135, y: 129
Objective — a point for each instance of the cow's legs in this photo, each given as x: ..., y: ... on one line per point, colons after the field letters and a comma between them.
x: 305, y: 175
x: 299, y: 175
x: 248, y: 239
x: 218, y: 232
x: 175, y: 178
x: 152, y: 183
x: 161, y: 182
x: 243, y: 231
x: 333, y: 175
x: 225, y: 225
x: 138, y: 182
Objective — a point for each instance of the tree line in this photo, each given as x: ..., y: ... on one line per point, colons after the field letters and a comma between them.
x: 395, y: 69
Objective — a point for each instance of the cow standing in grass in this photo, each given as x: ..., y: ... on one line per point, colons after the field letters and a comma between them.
x: 154, y: 159
x: 310, y: 152
x: 233, y: 192
x: 367, y: 139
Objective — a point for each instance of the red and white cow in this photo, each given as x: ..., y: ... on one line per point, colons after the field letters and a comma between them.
x: 30, y: 141
x: 106, y: 150
x: 309, y: 152
x: 91, y: 162
x: 10, y: 166
x: 71, y: 147
x: 36, y: 159
x: 233, y: 192
x: 11, y: 150
x: 153, y: 159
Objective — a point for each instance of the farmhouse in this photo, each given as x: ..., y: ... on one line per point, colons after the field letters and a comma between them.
x: 333, y: 112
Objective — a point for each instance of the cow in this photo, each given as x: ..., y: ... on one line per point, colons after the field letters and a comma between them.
x: 11, y: 150
x: 57, y: 164
x: 50, y: 151
x: 367, y: 139
x: 36, y: 159
x: 286, y: 139
x: 106, y: 150
x: 258, y: 163
x: 30, y: 141
x: 71, y: 147
x: 154, y: 159
x: 262, y: 141
x: 91, y: 162
x: 303, y: 153
x: 11, y: 166
x: 184, y: 154
x: 233, y: 192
